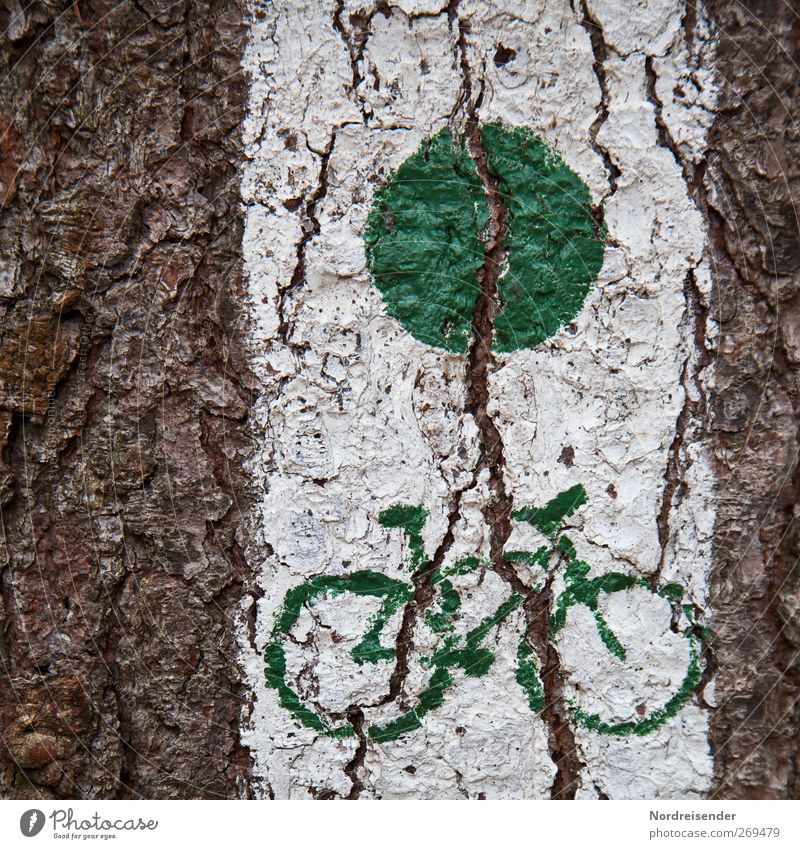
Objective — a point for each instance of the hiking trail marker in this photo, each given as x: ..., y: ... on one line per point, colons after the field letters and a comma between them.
x: 472, y: 280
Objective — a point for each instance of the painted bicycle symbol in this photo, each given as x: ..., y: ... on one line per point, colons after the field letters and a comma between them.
x: 468, y: 651
x: 429, y: 239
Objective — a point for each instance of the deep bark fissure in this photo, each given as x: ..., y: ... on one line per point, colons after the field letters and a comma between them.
x: 675, y: 469
x: 594, y: 29
x: 497, y: 511
x: 310, y: 226
x: 356, y: 43
x: 691, y: 420
x: 689, y: 22
x: 355, y: 715
x: 422, y: 598
x: 563, y: 748
x: 665, y: 138
x: 423, y: 591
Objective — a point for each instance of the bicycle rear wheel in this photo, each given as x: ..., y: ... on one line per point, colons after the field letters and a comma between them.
x: 393, y: 594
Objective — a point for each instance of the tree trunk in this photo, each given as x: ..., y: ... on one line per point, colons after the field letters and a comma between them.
x: 124, y: 399
x: 216, y: 391
x: 750, y: 194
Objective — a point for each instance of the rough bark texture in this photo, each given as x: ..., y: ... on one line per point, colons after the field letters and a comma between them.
x: 751, y: 189
x: 123, y: 399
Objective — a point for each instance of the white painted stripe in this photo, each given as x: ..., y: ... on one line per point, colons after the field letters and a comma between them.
x: 357, y: 415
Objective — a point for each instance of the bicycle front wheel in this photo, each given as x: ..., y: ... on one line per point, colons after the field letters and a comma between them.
x: 631, y: 655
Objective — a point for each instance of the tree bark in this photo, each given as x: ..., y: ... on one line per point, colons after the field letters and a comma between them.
x: 130, y: 421
x: 751, y: 192
x: 124, y: 399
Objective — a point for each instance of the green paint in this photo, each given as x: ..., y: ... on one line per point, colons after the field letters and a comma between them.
x: 426, y: 240
x: 439, y: 623
x: 364, y: 583
x: 275, y: 671
x: 407, y: 516
x: 528, y: 676
x: 412, y: 520
x: 566, y: 546
x: 467, y: 653
x: 608, y: 637
x: 429, y: 699
x: 462, y: 567
x: 548, y: 519
x: 647, y: 724
x: 674, y: 592
x: 473, y: 659
x: 448, y: 602
x: 581, y: 590
x: 554, y: 253
x: 540, y: 557
x: 449, y: 599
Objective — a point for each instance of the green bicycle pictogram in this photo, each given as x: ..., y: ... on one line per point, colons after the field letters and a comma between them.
x: 468, y: 652
x: 426, y: 242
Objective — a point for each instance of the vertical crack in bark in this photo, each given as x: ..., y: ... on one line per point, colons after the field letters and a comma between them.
x: 310, y: 226
x: 600, y: 51
x: 673, y: 473
x: 422, y: 598
x: 695, y: 321
x: 693, y: 414
x: 481, y: 359
x: 356, y: 43
x: 563, y: 749
x: 689, y: 22
x: 423, y: 590
x: 677, y: 464
x: 665, y: 138
x: 497, y: 513
x: 356, y: 718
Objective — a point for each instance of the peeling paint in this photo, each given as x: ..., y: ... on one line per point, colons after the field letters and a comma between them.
x: 359, y: 416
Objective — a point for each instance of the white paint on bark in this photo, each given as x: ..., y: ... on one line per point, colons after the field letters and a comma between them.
x: 357, y: 415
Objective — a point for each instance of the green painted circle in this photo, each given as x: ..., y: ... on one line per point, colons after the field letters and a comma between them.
x: 426, y: 232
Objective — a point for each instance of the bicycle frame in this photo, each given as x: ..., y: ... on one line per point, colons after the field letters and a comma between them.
x: 467, y: 652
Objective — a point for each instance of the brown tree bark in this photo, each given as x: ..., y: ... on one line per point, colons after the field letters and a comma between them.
x: 751, y: 194
x: 125, y: 393
x: 123, y: 399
